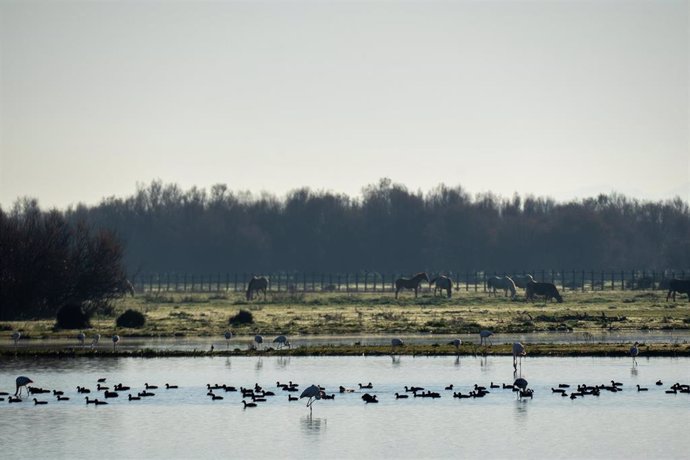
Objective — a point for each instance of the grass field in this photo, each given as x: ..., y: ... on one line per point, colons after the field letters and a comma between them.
x: 333, y: 314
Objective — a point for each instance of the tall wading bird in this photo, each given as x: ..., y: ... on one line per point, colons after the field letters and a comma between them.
x: 228, y: 336
x: 22, y: 382
x: 634, y: 351
x: 518, y: 351
x: 484, y: 336
x: 396, y: 343
x: 81, y: 337
x: 116, y: 339
x: 313, y: 393
x: 282, y: 341
x: 16, y: 335
x: 95, y: 340
x: 456, y: 343
x: 258, y: 340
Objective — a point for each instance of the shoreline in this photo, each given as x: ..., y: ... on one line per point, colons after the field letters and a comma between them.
x: 533, y: 350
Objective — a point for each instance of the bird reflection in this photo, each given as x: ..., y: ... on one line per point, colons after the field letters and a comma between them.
x: 313, y: 425
x: 283, y: 361
x: 395, y: 359
x: 259, y: 364
x: 228, y: 363
x: 633, y: 370
x: 457, y: 360
x: 484, y: 363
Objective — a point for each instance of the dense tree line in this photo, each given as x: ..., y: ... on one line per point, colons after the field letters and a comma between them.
x: 387, y: 229
x: 48, y: 262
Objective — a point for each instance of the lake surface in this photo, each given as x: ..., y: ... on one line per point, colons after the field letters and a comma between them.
x: 186, y: 423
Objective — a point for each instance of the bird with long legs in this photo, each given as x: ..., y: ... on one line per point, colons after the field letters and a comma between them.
x: 116, y: 340
x: 16, y: 335
x: 81, y: 337
x: 258, y: 340
x: 228, y: 336
x: 282, y: 341
x: 22, y: 381
x: 484, y: 336
x: 313, y: 393
x: 518, y: 353
x: 634, y: 351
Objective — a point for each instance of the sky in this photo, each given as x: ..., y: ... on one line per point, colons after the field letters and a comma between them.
x: 566, y: 99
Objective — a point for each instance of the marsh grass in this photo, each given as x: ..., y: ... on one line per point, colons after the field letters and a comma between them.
x: 341, y: 313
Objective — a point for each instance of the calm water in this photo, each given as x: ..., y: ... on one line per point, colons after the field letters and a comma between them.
x: 185, y: 423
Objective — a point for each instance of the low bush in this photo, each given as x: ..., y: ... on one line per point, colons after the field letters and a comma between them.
x: 243, y: 317
x: 132, y: 319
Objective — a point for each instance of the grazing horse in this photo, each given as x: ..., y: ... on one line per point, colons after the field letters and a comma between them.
x: 405, y: 283
x: 679, y: 286
x: 441, y: 283
x: 257, y: 283
x: 548, y: 290
x: 501, y: 282
x: 522, y: 280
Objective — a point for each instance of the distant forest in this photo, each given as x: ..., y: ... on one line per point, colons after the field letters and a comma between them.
x: 387, y: 229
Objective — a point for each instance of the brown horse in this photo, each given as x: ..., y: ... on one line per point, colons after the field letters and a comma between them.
x: 413, y: 283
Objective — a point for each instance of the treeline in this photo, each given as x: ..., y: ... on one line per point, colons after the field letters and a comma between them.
x: 389, y: 229
x: 48, y: 262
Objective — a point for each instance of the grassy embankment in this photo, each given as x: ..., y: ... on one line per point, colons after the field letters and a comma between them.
x: 199, y: 315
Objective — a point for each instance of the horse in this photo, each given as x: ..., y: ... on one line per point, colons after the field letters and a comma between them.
x: 441, y: 283
x: 501, y: 282
x: 679, y: 286
x: 522, y: 280
x: 548, y: 290
x: 257, y: 283
x: 405, y: 283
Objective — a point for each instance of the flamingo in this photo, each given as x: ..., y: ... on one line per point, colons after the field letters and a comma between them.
x: 634, y: 351
x: 116, y: 339
x: 282, y: 341
x: 518, y: 351
x: 484, y: 335
x: 313, y: 393
x: 22, y: 381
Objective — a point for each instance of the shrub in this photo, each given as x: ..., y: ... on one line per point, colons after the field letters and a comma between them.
x: 243, y: 317
x: 131, y: 318
x: 72, y: 316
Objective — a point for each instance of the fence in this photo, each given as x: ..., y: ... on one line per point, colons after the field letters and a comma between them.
x: 468, y: 281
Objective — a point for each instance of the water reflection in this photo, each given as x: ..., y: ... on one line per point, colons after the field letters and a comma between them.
x: 633, y: 371
x: 457, y: 360
x: 259, y: 363
x: 282, y: 362
x: 313, y: 425
x: 396, y: 360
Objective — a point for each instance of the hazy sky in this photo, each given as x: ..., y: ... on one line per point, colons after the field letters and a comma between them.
x: 558, y: 98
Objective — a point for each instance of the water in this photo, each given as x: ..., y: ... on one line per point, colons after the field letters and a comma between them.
x: 185, y: 423
x: 243, y: 342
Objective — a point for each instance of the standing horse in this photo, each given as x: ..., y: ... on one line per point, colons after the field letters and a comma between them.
x: 522, y: 280
x: 405, y: 283
x: 441, y: 283
x: 501, y: 282
x: 257, y: 283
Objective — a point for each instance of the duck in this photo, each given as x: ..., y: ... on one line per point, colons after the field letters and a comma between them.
x: 292, y: 398
x: 150, y: 387
x: 110, y: 394
x: 493, y: 385
x: 62, y: 398
x: 89, y: 401
x: 251, y: 404
x: 174, y: 387
x: 639, y: 388
x: 659, y: 382
x: 368, y: 386
x: 37, y: 402
x: 99, y: 403
x: 449, y: 387
x: 134, y: 398
x: 399, y: 396
x: 216, y: 397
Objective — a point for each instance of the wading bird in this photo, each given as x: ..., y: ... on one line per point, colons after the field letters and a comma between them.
x: 282, y: 341
x: 228, y: 336
x: 518, y: 352
x: 95, y: 340
x: 313, y: 393
x: 16, y: 335
x: 81, y: 337
x: 634, y: 351
x: 258, y: 340
x: 484, y: 336
x: 116, y: 339
x: 22, y: 382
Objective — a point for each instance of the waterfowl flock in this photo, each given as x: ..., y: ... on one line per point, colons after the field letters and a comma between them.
x: 254, y: 395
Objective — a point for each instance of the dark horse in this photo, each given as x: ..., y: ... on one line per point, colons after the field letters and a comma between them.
x: 679, y: 286
x: 257, y: 283
x: 548, y: 290
x: 441, y: 283
x: 405, y: 283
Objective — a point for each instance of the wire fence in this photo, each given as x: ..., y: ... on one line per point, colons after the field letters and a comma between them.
x: 372, y: 282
